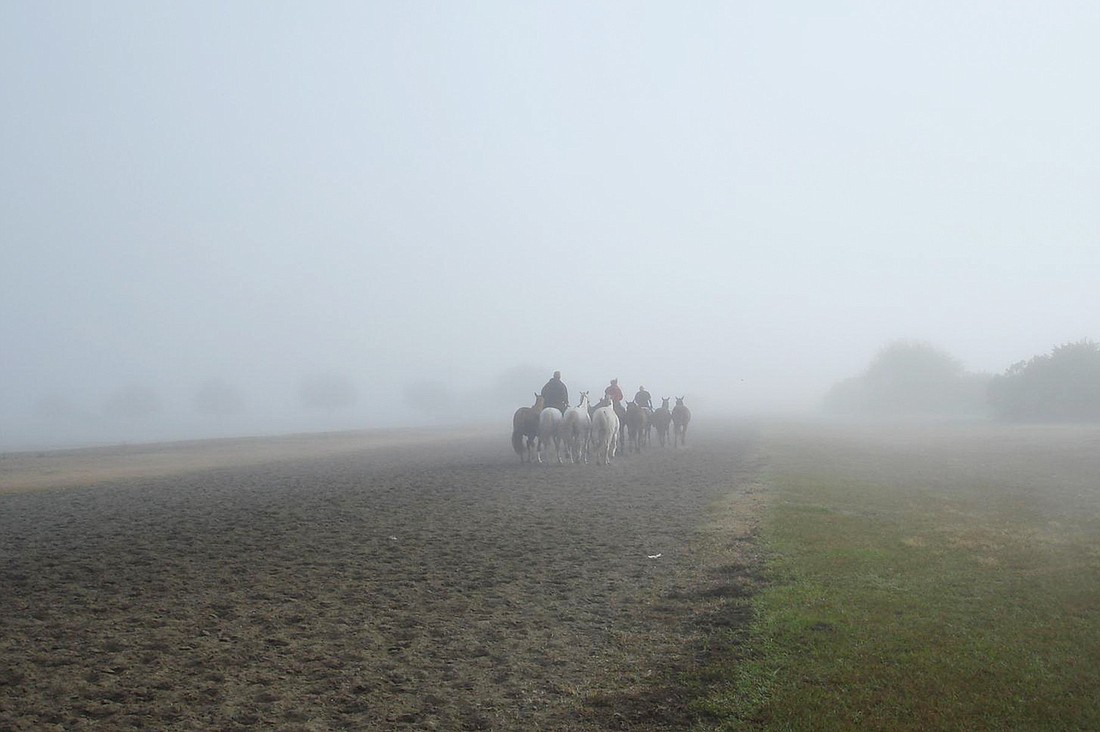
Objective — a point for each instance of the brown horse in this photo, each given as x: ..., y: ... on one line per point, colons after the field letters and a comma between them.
x: 525, y: 426
x: 661, y: 419
x: 637, y: 423
x: 681, y: 415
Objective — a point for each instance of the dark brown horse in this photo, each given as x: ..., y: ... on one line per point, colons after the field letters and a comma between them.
x: 681, y: 416
x: 661, y: 419
x: 525, y: 426
x: 637, y: 424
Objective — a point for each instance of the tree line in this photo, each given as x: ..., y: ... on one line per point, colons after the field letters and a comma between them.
x: 917, y: 379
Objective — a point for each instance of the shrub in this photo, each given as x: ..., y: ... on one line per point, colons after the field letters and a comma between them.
x: 1061, y: 385
x: 910, y: 378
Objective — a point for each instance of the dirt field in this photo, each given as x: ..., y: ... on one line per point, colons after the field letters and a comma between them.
x: 414, y: 580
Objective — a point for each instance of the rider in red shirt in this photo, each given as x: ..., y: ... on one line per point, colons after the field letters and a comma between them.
x: 613, y: 392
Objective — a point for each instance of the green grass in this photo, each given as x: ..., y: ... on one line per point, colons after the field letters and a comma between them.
x: 923, y: 579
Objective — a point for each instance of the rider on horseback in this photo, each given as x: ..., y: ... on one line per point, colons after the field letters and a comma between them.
x: 613, y: 392
x: 556, y: 393
x: 643, y: 399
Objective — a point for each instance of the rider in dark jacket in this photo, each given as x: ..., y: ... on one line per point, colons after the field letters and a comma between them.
x: 643, y: 399
x: 556, y: 393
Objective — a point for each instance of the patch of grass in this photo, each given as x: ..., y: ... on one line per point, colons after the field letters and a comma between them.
x: 939, y: 582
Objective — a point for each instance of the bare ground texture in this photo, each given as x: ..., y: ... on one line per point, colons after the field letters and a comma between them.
x: 369, y: 581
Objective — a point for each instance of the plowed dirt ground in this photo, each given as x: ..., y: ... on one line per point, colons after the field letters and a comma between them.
x: 404, y: 580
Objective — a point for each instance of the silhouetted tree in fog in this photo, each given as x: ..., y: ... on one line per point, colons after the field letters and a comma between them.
x: 54, y: 406
x: 1061, y: 385
x: 217, y: 398
x: 909, y: 378
x: 134, y: 401
x: 428, y: 397
x: 327, y: 391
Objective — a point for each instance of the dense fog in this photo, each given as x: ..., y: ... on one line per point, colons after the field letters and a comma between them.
x: 253, y: 218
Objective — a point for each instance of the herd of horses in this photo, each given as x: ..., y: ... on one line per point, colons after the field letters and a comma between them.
x: 597, y: 431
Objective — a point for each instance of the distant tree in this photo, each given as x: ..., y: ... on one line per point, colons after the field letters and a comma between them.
x: 54, y: 406
x: 134, y: 401
x: 428, y: 397
x: 217, y: 398
x: 1061, y: 385
x: 520, y: 382
x: 910, y: 378
x: 327, y: 391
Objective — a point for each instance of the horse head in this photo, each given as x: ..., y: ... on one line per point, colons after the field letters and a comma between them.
x: 664, y: 402
x: 583, y: 404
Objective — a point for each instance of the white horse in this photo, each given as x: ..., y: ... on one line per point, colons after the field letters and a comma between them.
x: 576, y: 428
x: 549, y: 425
x: 637, y: 424
x: 605, y: 433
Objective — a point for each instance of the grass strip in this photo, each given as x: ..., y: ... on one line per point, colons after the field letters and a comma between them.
x: 915, y: 600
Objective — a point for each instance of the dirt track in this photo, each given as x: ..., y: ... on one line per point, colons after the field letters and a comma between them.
x: 425, y: 582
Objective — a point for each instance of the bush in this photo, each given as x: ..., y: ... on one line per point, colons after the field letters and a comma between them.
x: 1061, y: 385
x: 909, y: 378
x: 327, y: 391
x: 134, y: 401
x: 217, y: 398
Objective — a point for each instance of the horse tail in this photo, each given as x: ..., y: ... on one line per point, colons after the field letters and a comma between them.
x: 517, y: 442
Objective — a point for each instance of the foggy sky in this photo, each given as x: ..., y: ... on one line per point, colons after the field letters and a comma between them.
x: 208, y: 209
